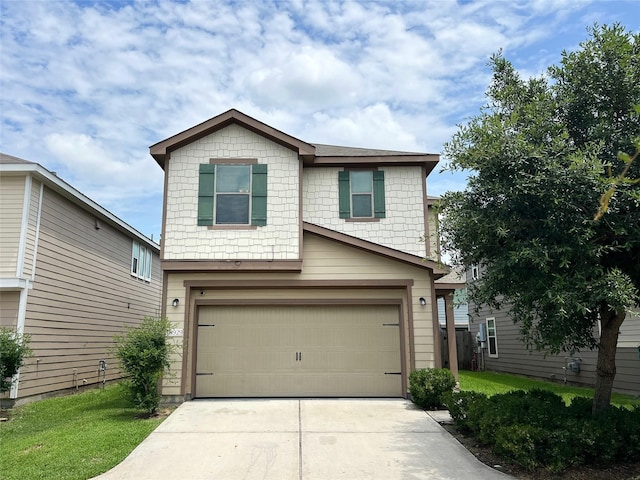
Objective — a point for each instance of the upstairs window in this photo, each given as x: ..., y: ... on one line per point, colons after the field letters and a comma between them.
x: 361, y: 194
x: 141, y: 262
x: 232, y: 194
x: 475, y: 272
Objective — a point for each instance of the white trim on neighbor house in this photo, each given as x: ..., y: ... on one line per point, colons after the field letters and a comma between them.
x: 71, y: 193
x: 15, y: 283
x: 24, y: 225
x: 22, y: 313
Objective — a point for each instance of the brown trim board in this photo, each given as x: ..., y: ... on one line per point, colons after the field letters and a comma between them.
x: 275, y: 284
x: 231, y: 265
x: 160, y: 150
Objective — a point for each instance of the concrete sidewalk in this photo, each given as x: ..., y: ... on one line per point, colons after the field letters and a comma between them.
x: 300, y: 440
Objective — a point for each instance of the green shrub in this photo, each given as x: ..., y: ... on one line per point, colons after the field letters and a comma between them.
x: 536, y: 428
x: 14, y: 349
x: 428, y: 387
x: 465, y: 408
x: 519, y: 444
x: 144, y: 355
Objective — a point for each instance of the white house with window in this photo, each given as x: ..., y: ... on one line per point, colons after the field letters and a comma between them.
x: 294, y: 268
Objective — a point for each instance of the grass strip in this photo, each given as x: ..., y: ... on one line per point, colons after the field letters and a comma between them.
x: 491, y: 383
x: 75, y: 437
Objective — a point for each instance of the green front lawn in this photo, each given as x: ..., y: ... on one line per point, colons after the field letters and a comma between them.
x: 73, y: 437
x: 491, y: 383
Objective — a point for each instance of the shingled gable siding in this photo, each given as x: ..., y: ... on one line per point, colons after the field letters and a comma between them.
x: 324, y: 260
x: 401, y: 229
x: 83, y: 293
x: 11, y: 206
x: 279, y: 239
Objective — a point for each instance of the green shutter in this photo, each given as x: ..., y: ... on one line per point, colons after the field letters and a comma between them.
x: 205, y: 194
x: 344, y: 194
x: 378, y: 194
x: 259, y: 195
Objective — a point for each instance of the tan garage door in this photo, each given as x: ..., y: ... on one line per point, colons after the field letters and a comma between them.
x: 257, y: 351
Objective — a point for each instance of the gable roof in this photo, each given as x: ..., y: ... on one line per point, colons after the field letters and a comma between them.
x: 161, y: 150
x: 375, y: 248
x: 19, y: 166
x: 310, y: 154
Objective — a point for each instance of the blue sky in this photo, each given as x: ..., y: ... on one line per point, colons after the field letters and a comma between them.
x: 87, y: 86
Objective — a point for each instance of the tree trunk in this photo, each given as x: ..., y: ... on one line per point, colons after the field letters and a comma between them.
x: 610, y: 322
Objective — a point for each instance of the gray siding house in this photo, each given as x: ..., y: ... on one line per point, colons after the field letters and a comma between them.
x: 502, y: 351
x: 71, y: 276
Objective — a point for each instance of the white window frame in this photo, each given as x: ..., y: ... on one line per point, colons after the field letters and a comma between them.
x: 216, y: 193
x: 490, y: 336
x: 475, y: 272
x: 369, y: 193
x: 141, y: 258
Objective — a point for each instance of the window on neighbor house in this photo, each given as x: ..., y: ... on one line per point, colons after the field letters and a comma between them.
x: 361, y: 194
x: 141, y: 262
x: 492, y: 339
x: 232, y: 194
x: 475, y: 272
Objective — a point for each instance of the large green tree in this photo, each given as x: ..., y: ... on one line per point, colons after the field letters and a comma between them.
x: 542, y: 152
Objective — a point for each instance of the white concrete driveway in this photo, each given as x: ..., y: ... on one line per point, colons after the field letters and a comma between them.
x: 300, y: 440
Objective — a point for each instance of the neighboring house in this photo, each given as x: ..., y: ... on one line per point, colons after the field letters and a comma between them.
x: 294, y: 269
x: 71, y: 276
x: 502, y: 351
x: 457, y: 281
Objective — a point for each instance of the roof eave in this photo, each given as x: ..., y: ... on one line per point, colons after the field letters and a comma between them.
x: 429, y: 161
x: 161, y: 150
x: 66, y: 190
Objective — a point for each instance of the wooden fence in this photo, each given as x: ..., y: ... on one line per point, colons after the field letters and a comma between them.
x: 464, y: 345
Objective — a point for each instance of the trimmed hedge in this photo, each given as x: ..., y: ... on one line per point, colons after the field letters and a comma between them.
x: 429, y: 387
x: 536, y: 429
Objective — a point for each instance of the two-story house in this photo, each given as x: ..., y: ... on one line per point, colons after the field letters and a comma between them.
x: 291, y: 268
x: 72, y: 275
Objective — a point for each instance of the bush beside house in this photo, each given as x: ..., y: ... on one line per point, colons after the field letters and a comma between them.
x: 537, y: 429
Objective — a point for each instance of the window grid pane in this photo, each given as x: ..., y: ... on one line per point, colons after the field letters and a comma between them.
x: 361, y: 182
x: 361, y: 205
x: 233, y: 179
x: 232, y: 209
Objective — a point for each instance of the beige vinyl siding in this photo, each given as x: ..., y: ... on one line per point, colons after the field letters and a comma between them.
x: 9, y: 302
x: 32, y: 224
x: 83, y: 294
x: 11, y: 205
x: 324, y: 260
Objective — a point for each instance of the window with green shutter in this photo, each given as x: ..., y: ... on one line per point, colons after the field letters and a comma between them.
x: 361, y: 194
x: 232, y: 194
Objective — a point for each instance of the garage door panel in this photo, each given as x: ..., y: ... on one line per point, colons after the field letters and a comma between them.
x: 298, y: 351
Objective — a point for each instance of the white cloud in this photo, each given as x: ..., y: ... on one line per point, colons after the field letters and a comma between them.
x: 86, y: 87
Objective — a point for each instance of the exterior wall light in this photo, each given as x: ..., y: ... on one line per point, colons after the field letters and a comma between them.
x: 175, y: 302
x: 423, y: 301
